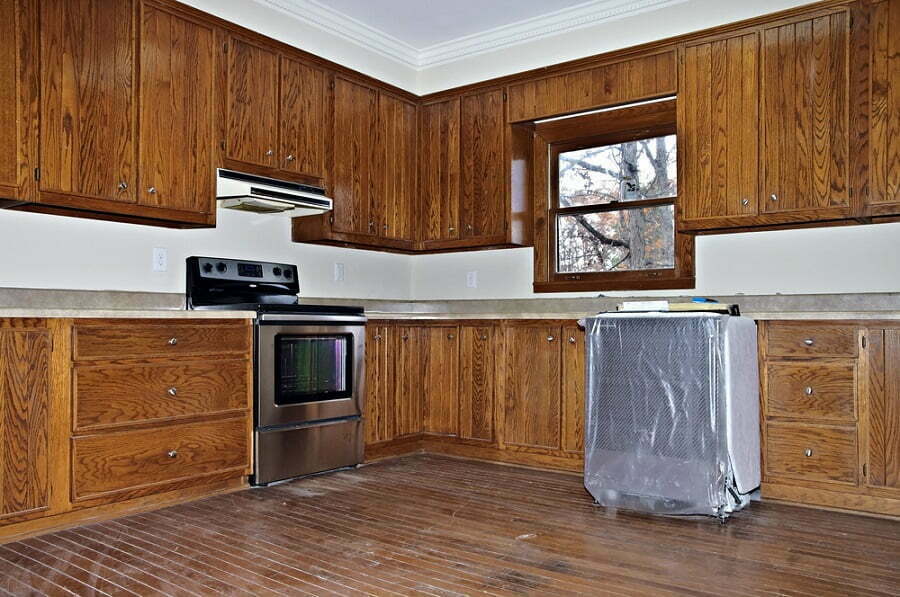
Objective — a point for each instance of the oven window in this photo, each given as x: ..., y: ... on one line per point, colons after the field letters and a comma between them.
x: 312, y: 368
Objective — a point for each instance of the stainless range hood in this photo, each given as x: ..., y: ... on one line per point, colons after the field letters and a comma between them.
x: 263, y: 195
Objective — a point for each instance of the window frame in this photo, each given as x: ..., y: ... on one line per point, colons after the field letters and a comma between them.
x: 594, y: 130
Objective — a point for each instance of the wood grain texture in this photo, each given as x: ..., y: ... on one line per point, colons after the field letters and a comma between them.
x: 812, y: 390
x: 24, y: 421
x: 395, y: 199
x: 379, y: 409
x: 439, y: 171
x: 142, y: 460
x: 812, y: 339
x: 484, y: 171
x: 884, y: 135
x: 117, y: 395
x: 573, y: 380
x: 11, y: 89
x: 874, y: 394
x: 833, y: 452
x: 441, y: 379
x: 477, y: 372
x: 177, y: 127
x: 718, y: 129
x: 532, y: 402
x: 302, y: 114
x: 885, y: 419
x: 143, y: 340
x: 87, y: 116
x: 252, y: 104
x: 805, y: 109
x: 407, y: 355
x: 355, y: 177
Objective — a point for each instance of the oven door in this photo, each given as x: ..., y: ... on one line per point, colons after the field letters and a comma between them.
x: 309, y: 370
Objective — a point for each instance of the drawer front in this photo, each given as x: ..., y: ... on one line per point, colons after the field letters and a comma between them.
x: 812, y: 390
x: 159, y: 340
x: 126, y: 394
x: 788, y: 340
x: 812, y: 453
x: 112, y: 462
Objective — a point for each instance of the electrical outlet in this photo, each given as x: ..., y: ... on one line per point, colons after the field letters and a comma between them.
x: 338, y: 272
x: 160, y: 259
x: 472, y: 279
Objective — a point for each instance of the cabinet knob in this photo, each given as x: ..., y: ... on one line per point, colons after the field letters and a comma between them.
x: 172, y: 391
x: 152, y: 190
x: 809, y: 342
x: 484, y: 337
x: 451, y: 336
x: 808, y: 452
x: 469, y: 227
x: 377, y: 336
x: 773, y: 197
x: 572, y: 340
x: 172, y: 453
x: 451, y: 229
x: 371, y: 226
x: 745, y: 202
x: 123, y: 185
x: 550, y: 338
x: 270, y: 152
x: 385, y: 226
x: 405, y: 337
x: 173, y: 341
x: 808, y: 390
x: 290, y: 157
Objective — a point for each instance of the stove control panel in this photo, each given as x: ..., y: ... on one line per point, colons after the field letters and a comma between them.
x: 250, y: 272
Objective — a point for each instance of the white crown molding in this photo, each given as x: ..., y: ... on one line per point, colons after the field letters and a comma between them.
x: 337, y: 23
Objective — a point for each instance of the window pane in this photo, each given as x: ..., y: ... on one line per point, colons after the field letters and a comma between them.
x: 642, y: 169
x: 621, y: 240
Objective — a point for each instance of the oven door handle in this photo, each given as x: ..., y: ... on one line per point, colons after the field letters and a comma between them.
x: 275, y: 319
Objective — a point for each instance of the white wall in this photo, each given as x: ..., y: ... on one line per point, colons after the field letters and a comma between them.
x: 40, y: 251
x: 847, y: 259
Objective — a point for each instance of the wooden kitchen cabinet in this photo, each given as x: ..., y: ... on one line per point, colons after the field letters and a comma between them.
x: 884, y: 135
x: 392, y: 204
x: 477, y: 383
x: 532, y: 403
x: 378, y: 410
x: 408, y: 398
x: 440, y: 383
x: 483, y: 193
x: 573, y: 387
x: 883, y: 414
x: 303, y: 116
x: 439, y: 172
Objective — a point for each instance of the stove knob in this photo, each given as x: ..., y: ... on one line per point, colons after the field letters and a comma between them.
x: 276, y: 271
x: 288, y: 274
x: 207, y: 267
x: 221, y: 267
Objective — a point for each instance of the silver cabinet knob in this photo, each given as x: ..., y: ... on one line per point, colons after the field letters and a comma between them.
x: 123, y: 185
x: 808, y: 390
x: 745, y: 202
x: 550, y: 338
x: 773, y: 197
x: 809, y: 342
x: 385, y: 226
x: 172, y: 453
x: 377, y: 336
x: 808, y: 452
x: 152, y: 190
x: 172, y: 391
x: 290, y: 157
x: 572, y: 340
x: 451, y: 336
x: 469, y: 227
x: 484, y: 337
x: 451, y: 229
x: 173, y: 341
x: 270, y: 152
x: 405, y: 337
x: 371, y: 226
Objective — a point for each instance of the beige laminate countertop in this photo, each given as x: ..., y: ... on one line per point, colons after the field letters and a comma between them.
x: 124, y: 314
x: 833, y: 315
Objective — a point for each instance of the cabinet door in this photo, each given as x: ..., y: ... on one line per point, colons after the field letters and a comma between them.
x: 441, y: 380
x: 355, y: 119
x: 805, y: 104
x: 533, y: 400
x: 884, y: 194
x: 476, y: 383
x: 718, y: 129
x: 394, y: 201
x: 483, y: 204
x: 177, y: 128
x: 87, y: 112
x: 883, y: 402
x: 408, y: 386
x: 573, y: 389
x: 303, y: 118
x: 24, y: 396
x: 439, y: 175
x: 379, y: 399
x: 252, y: 105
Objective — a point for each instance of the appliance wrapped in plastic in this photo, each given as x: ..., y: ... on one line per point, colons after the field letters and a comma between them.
x: 672, y: 412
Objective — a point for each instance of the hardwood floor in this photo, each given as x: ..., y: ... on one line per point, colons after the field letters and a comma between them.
x: 438, y: 526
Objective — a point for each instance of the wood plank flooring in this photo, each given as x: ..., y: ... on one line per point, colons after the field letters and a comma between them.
x: 437, y: 526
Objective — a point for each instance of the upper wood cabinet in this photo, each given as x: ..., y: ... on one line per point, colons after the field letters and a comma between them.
x: 884, y: 137
x: 393, y: 203
x: 483, y: 191
x: 304, y: 118
x: 439, y: 171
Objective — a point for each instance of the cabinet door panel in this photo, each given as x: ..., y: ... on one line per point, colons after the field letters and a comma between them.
x: 87, y: 118
x: 252, y: 121
x: 885, y: 131
x: 573, y: 389
x: 394, y: 201
x: 476, y: 392
x: 439, y: 174
x: 483, y: 181
x: 441, y: 380
x: 302, y: 118
x: 805, y: 99
x: 24, y: 421
x: 718, y: 130
x: 532, y: 404
x: 379, y: 407
x: 408, y: 387
x: 177, y: 116
x: 884, y: 409
x: 355, y: 120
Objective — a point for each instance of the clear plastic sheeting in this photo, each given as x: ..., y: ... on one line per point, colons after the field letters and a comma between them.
x: 672, y: 412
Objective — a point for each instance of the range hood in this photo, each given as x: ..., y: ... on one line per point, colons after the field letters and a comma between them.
x: 263, y: 195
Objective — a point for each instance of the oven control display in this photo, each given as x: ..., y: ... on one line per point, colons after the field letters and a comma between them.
x: 250, y: 270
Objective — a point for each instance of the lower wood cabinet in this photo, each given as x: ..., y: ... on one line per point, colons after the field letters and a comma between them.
x: 115, y: 415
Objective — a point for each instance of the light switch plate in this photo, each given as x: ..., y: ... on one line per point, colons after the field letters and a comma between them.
x: 338, y: 272
x: 160, y: 259
x: 472, y: 279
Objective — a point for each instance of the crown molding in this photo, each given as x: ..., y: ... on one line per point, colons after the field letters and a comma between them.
x: 559, y: 22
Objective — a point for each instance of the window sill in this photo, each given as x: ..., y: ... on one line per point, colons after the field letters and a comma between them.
x: 600, y: 285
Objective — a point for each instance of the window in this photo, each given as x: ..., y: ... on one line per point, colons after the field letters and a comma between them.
x: 613, y: 189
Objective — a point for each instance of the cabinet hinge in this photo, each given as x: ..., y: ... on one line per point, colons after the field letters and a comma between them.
x: 865, y: 470
x: 863, y: 341
x: 225, y: 47
x: 37, y: 174
x: 331, y: 84
x: 504, y: 96
x: 222, y: 144
x: 331, y: 219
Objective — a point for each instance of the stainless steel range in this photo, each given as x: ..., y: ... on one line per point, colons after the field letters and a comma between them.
x: 309, y: 363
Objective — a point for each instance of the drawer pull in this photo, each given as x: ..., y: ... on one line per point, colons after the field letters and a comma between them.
x: 172, y: 391
x: 172, y: 453
x: 377, y: 336
x: 809, y: 342
x: 550, y: 338
x: 572, y: 340
x: 808, y: 391
x: 808, y: 452
x: 451, y: 336
x: 173, y: 341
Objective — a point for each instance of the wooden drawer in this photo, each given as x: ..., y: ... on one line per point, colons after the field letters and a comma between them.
x: 812, y: 390
x: 126, y: 394
x: 142, y: 340
x: 811, y: 452
x: 142, y: 461
x: 802, y: 340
